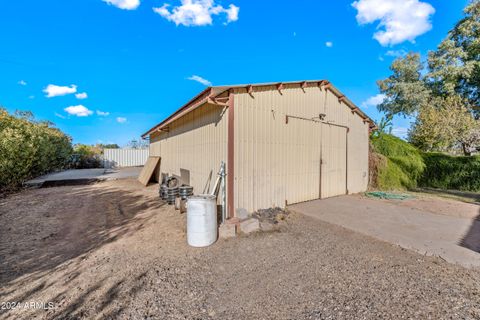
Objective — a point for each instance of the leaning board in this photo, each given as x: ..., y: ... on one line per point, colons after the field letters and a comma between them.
x: 148, y: 170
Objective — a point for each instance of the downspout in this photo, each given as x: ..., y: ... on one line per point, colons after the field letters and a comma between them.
x: 231, y: 156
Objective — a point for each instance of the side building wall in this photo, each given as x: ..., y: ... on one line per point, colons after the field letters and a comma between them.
x: 279, y: 160
x: 193, y: 147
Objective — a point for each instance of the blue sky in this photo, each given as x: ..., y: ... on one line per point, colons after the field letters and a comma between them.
x: 133, y: 58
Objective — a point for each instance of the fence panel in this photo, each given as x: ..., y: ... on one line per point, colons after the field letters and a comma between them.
x: 124, y: 157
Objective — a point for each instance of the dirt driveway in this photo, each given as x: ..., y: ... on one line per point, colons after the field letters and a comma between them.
x: 114, y: 251
x: 432, y: 226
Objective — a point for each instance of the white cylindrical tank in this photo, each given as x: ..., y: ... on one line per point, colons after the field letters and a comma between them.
x: 201, y: 220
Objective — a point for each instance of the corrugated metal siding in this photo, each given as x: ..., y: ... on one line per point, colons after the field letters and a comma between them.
x: 358, y: 142
x: 334, y: 161
x: 124, y: 157
x: 272, y: 157
x: 194, y: 147
x: 155, y: 144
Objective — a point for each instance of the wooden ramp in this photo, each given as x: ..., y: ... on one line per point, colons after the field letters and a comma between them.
x: 148, y: 170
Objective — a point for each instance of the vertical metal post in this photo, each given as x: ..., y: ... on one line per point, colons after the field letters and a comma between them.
x: 224, y: 193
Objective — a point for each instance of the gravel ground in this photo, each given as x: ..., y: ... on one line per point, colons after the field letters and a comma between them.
x: 113, y: 251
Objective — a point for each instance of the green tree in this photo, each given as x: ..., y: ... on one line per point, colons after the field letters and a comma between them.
x: 405, y: 90
x: 442, y: 93
x: 445, y: 124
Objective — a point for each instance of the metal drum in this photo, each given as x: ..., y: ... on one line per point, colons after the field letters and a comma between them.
x: 201, y: 220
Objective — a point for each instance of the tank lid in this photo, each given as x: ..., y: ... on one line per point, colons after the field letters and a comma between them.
x: 202, y: 197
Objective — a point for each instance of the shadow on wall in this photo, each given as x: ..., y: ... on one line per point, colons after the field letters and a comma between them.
x: 471, y: 240
x: 109, y: 164
x: 44, y: 233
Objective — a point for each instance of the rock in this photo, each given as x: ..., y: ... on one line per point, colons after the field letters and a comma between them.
x: 249, y: 225
x: 242, y: 214
x: 267, y: 226
x: 227, y: 230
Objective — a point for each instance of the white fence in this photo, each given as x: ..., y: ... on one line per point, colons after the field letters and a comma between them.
x: 124, y: 157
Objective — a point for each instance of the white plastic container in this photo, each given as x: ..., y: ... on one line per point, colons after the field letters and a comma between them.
x: 201, y: 220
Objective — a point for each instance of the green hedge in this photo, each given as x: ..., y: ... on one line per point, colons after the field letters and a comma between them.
x: 451, y: 172
x: 403, y: 166
x: 29, y: 148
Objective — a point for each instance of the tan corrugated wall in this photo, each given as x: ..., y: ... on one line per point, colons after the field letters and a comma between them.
x: 272, y: 157
x: 194, y: 147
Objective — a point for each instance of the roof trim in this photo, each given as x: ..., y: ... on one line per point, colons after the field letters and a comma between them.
x: 211, y: 92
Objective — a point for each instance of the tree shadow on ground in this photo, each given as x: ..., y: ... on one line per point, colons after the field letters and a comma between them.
x: 471, y: 240
x: 455, y: 194
x: 84, y: 219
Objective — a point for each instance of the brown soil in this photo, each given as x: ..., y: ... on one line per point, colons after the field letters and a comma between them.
x: 114, y: 251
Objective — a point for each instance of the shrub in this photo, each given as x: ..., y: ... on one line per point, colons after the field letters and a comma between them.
x: 451, y: 172
x: 29, y: 148
x: 403, y: 164
x: 86, y: 157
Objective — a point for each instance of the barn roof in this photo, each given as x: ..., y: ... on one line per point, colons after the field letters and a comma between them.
x: 210, y: 93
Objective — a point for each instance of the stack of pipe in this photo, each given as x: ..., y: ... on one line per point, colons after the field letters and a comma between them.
x: 163, y: 191
x: 185, y: 192
x: 172, y: 194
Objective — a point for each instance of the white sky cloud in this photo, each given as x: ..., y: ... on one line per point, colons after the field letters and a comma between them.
x: 203, y: 81
x: 54, y: 91
x: 60, y: 115
x: 373, y: 101
x: 121, y: 119
x: 82, y: 95
x: 79, y: 111
x: 399, y: 20
x: 329, y: 44
x: 400, y: 132
x: 124, y: 4
x: 396, y: 53
x: 102, y: 113
x: 197, y: 12
x: 22, y: 82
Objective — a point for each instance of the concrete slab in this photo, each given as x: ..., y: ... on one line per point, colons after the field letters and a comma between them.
x: 454, y: 238
x: 85, y: 175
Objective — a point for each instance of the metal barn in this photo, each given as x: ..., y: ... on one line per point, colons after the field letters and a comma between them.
x: 283, y: 143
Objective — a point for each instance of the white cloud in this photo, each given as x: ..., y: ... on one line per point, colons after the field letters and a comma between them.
x: 54, y: 91
x: 373, y: 101
x: 121, y: 119
x: 124, y: 4
x: 205, y: 82
x: 59, y: 115
x: 81, y: 96
x: 102, y: 113
x: 400, y: 132
x: 396, y: 53
x: 79, y: 111
x: 399, y: 20
x: 329, y: 44
x: 197, y: 12
x: 31, y: 97
x: 22, y: 82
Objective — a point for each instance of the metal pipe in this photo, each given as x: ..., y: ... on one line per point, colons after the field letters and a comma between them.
x: 221, y: 180
x: 318, y: 121
x: 215, y: 186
